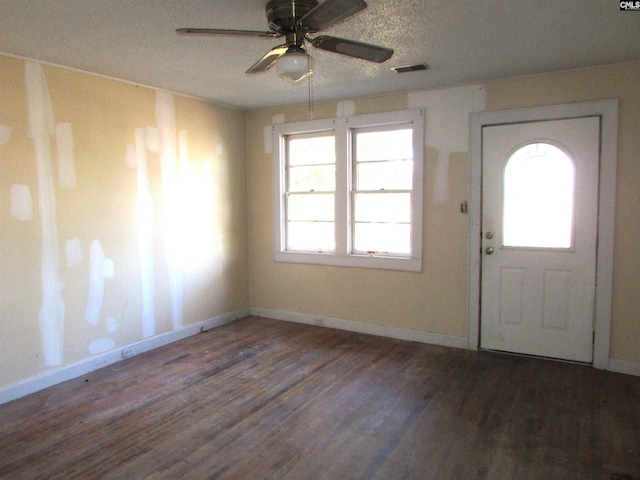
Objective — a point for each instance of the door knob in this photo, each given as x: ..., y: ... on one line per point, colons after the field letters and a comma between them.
x: 488, y: 250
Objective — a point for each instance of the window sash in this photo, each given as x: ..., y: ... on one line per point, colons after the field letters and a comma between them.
x: 387, y: 189
x: 319, y: 222
x: 373, y: 226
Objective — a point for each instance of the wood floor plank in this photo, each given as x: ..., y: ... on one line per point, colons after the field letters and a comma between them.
x: 263, y: 399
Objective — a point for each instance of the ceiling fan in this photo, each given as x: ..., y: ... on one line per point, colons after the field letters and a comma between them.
x: 296, y: 20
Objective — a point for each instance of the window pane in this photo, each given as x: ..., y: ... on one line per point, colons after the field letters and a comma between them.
x: 538, y: 198
x: 314, y: 207
x: 317, y: 178
x: 311, y: 236
x: 312, y: 150
x: 383, y: 207
x: 385, y: 145
x: 395, y: 175
x: 383, y: 237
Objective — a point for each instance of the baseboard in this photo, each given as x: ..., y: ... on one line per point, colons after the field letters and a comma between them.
x: 359, y: 327
x: 53, y: 377
x: 59, y: 375
x: 619, y: 365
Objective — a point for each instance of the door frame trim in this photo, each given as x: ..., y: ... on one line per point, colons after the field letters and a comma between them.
x: 607, y: 111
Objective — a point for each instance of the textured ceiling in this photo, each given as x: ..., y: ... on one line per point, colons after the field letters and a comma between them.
x: 463, y: 41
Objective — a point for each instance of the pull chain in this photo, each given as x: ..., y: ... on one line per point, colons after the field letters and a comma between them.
x: 310, y: 96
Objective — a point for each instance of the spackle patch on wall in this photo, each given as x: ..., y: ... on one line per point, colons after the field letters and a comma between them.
x: 100, y: 269
x: 73, y: 252
x: 447, y: 126
x: 152, y: 140
x: 5, y: 133
x: 21, y: 203
x: 144, y: 207
x: 193, y: 199
x: 108, y: 268
x: 268, y: 139
x: 346, y: 108
x: 41, y: 130
x: 65, y: 147
x: 166, y: 118
x: 101, y: 345
x: 112, y: 324
x: 171, y: 147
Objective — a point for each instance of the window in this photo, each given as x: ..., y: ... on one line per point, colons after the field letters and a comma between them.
x: 538, y: 198
x: 348, y: 191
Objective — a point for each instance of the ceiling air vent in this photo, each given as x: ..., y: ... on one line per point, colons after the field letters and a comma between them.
x: 411, y: 68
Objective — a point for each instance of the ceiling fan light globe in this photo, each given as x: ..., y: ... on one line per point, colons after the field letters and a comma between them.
x: 294, y: 66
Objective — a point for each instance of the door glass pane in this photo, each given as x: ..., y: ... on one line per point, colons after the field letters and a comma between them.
x: 538, y: 198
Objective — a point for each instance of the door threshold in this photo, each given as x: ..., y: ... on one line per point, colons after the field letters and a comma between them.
x: 536, y: 357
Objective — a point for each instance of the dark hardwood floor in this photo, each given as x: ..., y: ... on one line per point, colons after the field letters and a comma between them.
x: 260, y: 398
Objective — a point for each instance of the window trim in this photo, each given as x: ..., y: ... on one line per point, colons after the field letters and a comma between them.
x: 342, y: 128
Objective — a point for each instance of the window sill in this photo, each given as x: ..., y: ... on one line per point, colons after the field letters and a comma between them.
x: 379, y: 262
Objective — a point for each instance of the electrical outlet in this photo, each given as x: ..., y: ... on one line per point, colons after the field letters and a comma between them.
x: 319, y: 322
x: 127, y: 352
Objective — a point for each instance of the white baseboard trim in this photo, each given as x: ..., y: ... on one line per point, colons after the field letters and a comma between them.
x: 59, y: 375
x: 619, y: 365
x: 368, y: 328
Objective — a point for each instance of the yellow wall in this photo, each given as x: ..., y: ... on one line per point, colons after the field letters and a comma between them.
x: 77, y: 226
x: 435, y: 300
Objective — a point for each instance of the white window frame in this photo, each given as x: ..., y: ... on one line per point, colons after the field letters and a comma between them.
x: 343, y: 127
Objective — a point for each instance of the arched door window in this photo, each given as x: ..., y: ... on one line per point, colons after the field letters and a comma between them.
x: 539, y: 188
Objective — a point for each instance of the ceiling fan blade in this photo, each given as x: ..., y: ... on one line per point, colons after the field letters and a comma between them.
x: 222, y: 31
x: 365, y: 51
x: 268, y: 60
x: 329, y: 13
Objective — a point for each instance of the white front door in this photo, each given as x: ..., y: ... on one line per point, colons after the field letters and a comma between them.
x: 539, y: 237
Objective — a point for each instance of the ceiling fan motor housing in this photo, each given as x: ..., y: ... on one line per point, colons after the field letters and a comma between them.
x: 295, y: 20
x: 283, y: 15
